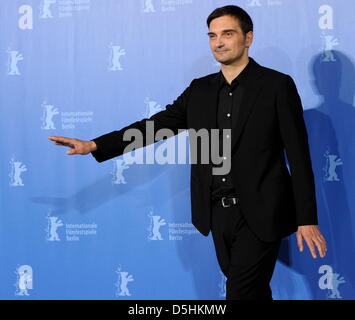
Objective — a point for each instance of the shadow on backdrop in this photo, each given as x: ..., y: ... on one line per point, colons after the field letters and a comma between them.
x: 331, y: 135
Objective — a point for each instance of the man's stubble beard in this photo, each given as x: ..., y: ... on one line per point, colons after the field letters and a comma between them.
x: 229, y: 61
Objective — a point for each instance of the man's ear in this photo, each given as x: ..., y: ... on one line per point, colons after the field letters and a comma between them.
x: 249, y: 38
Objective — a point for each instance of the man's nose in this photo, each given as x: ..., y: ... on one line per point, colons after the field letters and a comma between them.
x: 219, y: 42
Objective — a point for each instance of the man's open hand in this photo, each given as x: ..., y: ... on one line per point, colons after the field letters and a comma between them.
x: 312, y: 235
x: 76, y: 146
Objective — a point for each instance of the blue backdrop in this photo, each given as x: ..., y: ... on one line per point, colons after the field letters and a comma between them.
x: 71, y: 228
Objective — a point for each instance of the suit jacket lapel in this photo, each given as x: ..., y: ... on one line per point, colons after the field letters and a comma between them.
x: 252, y: 89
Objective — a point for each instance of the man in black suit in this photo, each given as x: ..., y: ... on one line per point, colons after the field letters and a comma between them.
x: 258, y: 202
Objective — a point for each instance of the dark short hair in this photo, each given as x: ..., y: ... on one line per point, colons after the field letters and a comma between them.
x: 245, y: 21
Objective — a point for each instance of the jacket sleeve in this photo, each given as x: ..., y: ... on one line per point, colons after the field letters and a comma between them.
x: 295, y: 139
x: 112, y: 144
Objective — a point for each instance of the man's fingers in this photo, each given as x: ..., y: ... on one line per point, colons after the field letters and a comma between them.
x: 320, y: 243
x: 313, y: 238
x: 61, y: 139
x: 312, y: 243
x: 299, y: 241
x: 322, y: 247
x: 319, y: 247
x: 77, y: 146
x: 71, y: 151
x: 62, y: 144
x: 311, y: 247
x: 56, y: 138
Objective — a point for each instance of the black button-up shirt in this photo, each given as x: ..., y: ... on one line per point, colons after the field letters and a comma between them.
x: 229, y: 101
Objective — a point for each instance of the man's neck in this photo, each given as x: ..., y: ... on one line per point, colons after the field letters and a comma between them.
x: 231, y: 71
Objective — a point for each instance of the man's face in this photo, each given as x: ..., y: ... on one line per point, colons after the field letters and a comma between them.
x: 227, y: 41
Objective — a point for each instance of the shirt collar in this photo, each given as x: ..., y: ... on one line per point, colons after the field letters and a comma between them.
x: 241, y: 78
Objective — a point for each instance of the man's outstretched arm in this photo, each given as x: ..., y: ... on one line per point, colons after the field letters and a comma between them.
x: 76, y: 146
x: 112, y: 144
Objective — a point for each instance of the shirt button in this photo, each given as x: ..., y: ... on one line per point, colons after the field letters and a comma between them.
x: 223, y: 179
x: 228, y: 114
x: 230, y: 93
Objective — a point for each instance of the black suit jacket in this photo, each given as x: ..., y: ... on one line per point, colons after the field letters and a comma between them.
x: 270, y: 122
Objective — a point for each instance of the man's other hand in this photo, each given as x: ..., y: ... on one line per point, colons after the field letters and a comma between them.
x: 76, y: 146
x: 312, y: 235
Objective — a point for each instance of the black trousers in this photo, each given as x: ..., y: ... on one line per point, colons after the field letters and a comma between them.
x: 247, y: 262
